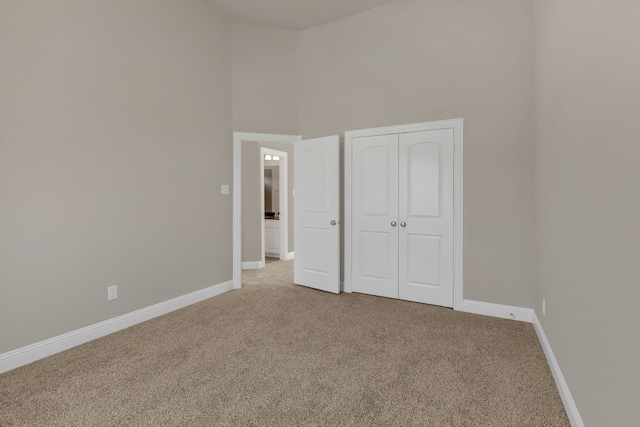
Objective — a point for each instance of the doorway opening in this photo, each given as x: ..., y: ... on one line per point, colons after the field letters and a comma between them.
x: 274, y: 219
x: 255, y: 142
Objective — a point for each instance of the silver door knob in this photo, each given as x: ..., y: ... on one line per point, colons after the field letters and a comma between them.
x: 333, y: 222
x: 393, y: 223
x: 403, y: 224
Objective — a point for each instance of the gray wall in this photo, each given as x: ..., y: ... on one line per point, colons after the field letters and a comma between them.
x: 587, y: 215
x: 414, y: 61
x: 264, y: 101
x: 251, y: 204
x: 115, y: 136
x: 264, y: 80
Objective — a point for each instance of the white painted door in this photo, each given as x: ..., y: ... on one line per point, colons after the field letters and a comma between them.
x: 317, y: 213
x: 375, y: 215
x: 426, y: 217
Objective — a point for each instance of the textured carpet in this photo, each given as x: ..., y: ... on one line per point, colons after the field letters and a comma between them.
x: 278, y: 354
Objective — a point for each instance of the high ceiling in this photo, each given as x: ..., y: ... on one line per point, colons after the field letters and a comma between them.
x: 292, y: 14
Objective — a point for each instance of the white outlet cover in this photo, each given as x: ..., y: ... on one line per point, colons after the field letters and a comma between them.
x: 112, y: 293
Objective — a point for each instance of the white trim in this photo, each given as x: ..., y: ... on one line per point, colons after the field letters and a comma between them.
x: 458, y: 174
x: 569, y: 404
x: 25, y: 355
x: 252, y: 265
x: 262, y: 209
x: 498, y: 310
x: 529, y: 315
x: 238, y: 138
x: 347, y: 285
x: 289, y: 256
x: 413, y: 127
x: 458, y: 207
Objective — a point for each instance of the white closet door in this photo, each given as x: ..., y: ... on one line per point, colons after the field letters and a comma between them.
x: 426, y: 217
x: 375, y: 215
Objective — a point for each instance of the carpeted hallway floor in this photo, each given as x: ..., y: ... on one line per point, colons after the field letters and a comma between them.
x: 277, y: 354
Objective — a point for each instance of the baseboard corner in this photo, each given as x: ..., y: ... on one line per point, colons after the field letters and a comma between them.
x: 498, y: 310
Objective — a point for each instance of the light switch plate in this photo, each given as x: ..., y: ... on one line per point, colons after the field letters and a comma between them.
x: 224, y: 189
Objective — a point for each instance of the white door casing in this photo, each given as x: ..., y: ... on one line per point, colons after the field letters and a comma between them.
x: 317, y: 212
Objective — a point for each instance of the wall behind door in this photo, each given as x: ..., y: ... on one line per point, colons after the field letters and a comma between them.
x: 264, y: 80
x: 415, y: 61
x: 264, y: 101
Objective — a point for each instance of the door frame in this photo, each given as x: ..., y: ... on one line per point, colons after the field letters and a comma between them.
x: 457, y: 126
x: 238, y: 139
x: 283, y: 199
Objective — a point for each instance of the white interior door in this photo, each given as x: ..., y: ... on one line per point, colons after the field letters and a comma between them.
x: 375, y: 215
x: 426, y: 217
x: 317, y: 213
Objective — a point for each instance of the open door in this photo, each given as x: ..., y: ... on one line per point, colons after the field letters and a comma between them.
x: 316, y: 165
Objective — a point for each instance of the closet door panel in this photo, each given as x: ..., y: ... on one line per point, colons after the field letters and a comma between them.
x: 375, y: 208
x: 423, y: 265
x: 426, y: 211
x: 424, y: 185
x: 375, y: 251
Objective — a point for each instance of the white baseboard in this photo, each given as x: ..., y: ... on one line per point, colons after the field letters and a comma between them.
x: 529, y: 315
x: 569, y: 404
x: 252, y: 265
x: 289, y: 256
x: 498, y: 310
x: 25, y: 355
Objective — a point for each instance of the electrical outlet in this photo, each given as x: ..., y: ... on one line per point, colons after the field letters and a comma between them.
x: 112, y: 292
x: 544, y: 306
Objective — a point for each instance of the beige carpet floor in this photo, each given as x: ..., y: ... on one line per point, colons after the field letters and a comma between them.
x: 276, y: 354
